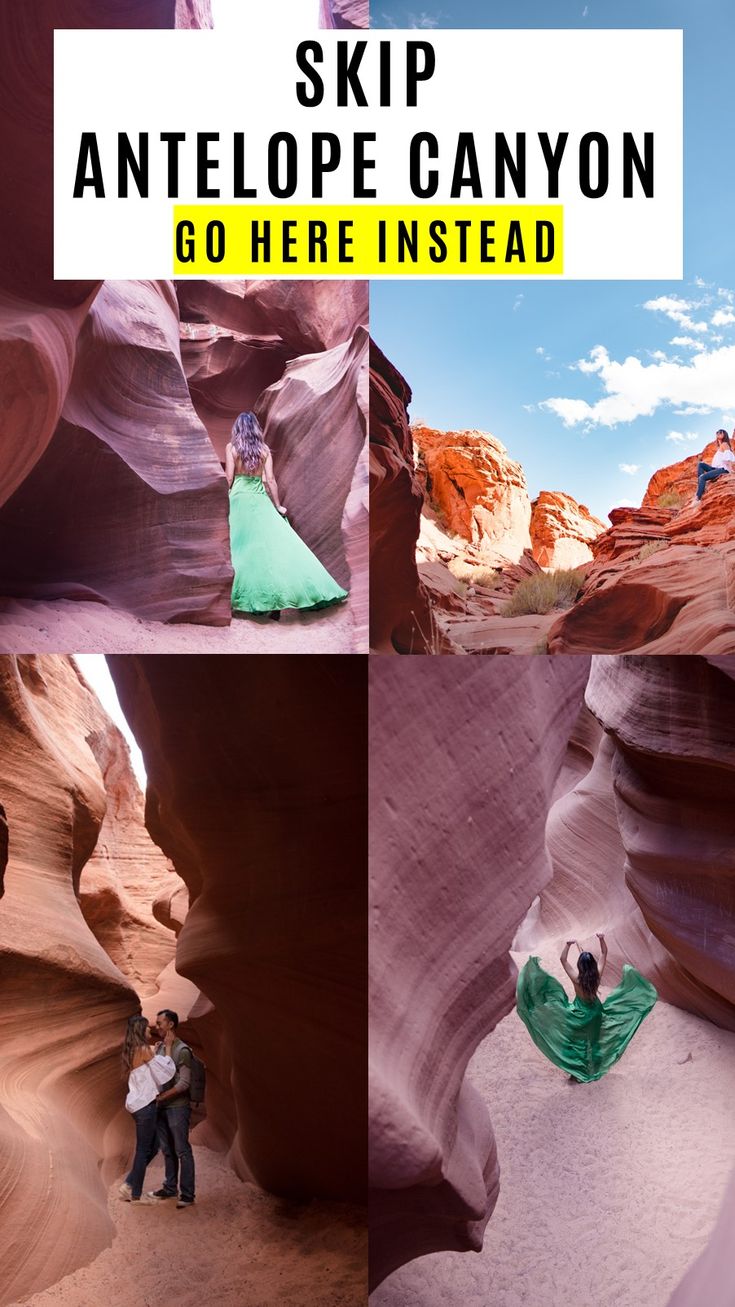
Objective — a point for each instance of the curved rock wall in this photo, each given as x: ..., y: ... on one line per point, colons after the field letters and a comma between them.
x: 463, y: 767
x: 401, y: 618
x: 672, y: 723
x: 345, y: 13
x: 257, y: 792
x: 63, y: 1133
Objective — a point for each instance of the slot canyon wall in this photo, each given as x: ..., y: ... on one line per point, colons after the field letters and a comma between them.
x: 96, y: 376
x: 463, y: 769
x: 632, y: 760
x: 81, y: 872
x: 257, y: 793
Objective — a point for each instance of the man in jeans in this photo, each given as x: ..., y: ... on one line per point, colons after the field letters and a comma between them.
x: 174, y: 1111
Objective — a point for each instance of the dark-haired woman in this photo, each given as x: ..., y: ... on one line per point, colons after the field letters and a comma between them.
x: 583, y: 1036
x: 147, y: 1072
x: 723, y: 462
x: 274, y: 569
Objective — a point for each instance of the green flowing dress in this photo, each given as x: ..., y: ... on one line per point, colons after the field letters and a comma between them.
x: 274, y: 569
x: 584, y: 1039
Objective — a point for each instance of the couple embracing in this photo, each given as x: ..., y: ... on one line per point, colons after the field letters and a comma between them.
x: 159, y: 1069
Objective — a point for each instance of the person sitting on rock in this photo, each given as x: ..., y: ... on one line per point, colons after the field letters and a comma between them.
x: 721, y: 464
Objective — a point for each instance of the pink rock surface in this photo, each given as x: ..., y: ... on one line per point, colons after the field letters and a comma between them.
x: 449, y: 816
x: 305, y: 316
x: 63, y: 1133
x: 315, y: 427
x: 256, y: 790
x: 672, y: 721
x: 145, y: 528
x: 225, y: 375
x: 709, y: 1280
x: 345, y: 13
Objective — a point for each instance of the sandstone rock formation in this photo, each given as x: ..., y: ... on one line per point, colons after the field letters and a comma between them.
x: 63, y: 1132
x: 709, y: 1280
x: 345, y: 13
x: 401, y: 618
x: 562, y: 531
x: 478, y: 490
x: 672, y: 722
x: 304, y: 316
x: 152, y: 489
x: 663, y: 577
x: 463, y: 770
x: 256, y: 790
x: 315, y: 426
x: 677, y: 479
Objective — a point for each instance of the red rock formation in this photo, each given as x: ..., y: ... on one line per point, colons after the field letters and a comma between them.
x: 562, y: 531
x: 345, y: 13
x: 463, y: 766
x: 145, y: 528
x: 662, y: 582
x: 226, y: 373
x: 478, y: 490
x: 257, y: 792
x: 677, y: 479
x: 63, y: 1133
x: 400, y: 614
x: 314, y: 425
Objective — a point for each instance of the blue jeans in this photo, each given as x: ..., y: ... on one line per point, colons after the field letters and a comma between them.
x: 146, y: 1146
x: 706, y: 473
x: 173, y: 1138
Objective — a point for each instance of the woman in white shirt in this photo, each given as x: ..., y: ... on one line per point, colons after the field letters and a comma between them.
x: 722, y: 463
x: 147, y: 1072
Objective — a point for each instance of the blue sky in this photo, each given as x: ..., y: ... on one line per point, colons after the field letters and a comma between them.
x: 504, y: 356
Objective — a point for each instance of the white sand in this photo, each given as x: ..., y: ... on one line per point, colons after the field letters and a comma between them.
x: 63, y: 625
x: 237, y: 1247
x: 608, y: 1191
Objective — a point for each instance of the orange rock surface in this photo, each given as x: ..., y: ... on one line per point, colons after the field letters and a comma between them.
x: 562, y: 531
x: 478, y: 490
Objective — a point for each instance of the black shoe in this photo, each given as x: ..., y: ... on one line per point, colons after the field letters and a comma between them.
x: 161, y: 1193
x: 185, y: 1202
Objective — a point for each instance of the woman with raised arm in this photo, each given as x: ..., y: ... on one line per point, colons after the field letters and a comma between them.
x: 583, y: 1036
x: 274, y: 569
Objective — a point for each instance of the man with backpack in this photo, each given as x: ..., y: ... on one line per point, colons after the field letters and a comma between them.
x: 174, y: 1114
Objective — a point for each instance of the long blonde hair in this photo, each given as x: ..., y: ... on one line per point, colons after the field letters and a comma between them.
x: 135, y: 1038
x: 248, y: 443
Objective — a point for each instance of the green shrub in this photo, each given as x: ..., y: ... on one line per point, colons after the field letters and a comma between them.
x: 544, y: 591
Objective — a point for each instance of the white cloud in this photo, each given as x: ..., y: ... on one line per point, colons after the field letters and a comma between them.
x: 677, y: 309
x: 517, y: 302
x: 634, y: 389
x: 723, y: 318
x: 423, y: 19
x: 659, y: 355
x: 726, y: 294
x: 630, y: 468
x: 540, y: 350
x: 679, y: 437
x: 688, y: 342
x: 530, y: 408
x: 585, y: 11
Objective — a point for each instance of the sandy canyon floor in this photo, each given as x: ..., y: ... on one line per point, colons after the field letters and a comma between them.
x: 94, y: 628
x: 608, y: 1191
x: 236, y: 1245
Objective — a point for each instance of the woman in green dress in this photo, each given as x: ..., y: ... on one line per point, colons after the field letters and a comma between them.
x: 274, y: 569
x: 583, y: 1036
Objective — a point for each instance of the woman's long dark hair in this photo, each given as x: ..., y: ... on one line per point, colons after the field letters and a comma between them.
x: 135, y: 1038
x: 248, y: 442
x: 588, y: 975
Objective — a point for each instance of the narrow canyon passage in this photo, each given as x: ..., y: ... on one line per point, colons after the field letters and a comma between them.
x: 608, y: 1191
x: 236, y: 898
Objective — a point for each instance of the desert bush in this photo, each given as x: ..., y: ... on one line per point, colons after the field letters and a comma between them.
x: 474, y: 574
x: 670, y: 499
x: 544, y: 591
x: 652, y: 547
